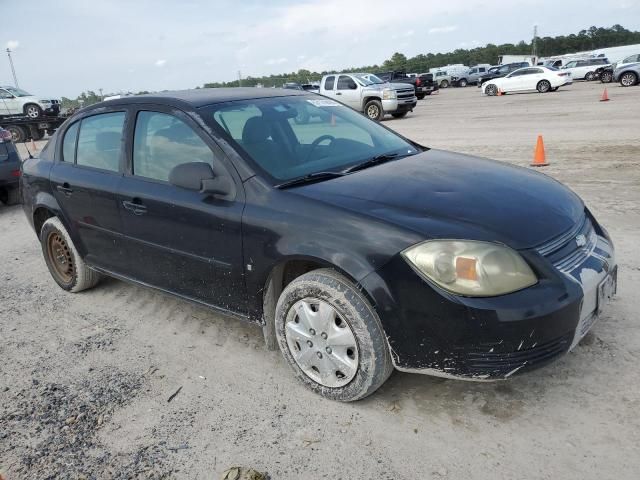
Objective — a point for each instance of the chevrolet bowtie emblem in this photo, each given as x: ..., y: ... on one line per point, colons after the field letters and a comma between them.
x: 581, y: 240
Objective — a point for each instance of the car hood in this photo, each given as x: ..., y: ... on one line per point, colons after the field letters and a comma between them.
x: 441, y: 194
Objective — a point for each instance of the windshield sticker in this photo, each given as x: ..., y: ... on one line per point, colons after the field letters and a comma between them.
x: 324, y: 103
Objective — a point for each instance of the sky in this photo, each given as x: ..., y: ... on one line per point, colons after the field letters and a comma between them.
x: 63, y: 47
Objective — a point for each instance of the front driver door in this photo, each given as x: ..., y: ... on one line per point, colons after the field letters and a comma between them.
x: 182, y: 241
x: 348, y: 92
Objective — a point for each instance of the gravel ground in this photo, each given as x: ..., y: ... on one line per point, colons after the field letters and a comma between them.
x: 85, y: 379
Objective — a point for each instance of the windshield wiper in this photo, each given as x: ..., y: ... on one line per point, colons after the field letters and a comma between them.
x: 310, y: 178
x: 378, y: 159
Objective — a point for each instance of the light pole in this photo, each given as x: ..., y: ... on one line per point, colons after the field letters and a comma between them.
x: 13, y: 70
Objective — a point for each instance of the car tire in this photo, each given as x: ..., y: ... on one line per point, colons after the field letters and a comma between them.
x: 444, y: 84
x: 373, y: 110
x: 590, y: 76
x: 359, y: 361
x: 399, y: 114
x: 628, y: 79
x: 18, y: 134
x: 421, y: 96
x: 491, y: 90
x: 606, y: 77
x: 543, y: 86
x: 66, y: 266
x: 463, y: 82
x: 32, y: 110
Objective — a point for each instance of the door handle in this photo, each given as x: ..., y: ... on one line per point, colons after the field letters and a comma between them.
x: 338, y: 93
x: 65, y: 189
x: 135, y: 206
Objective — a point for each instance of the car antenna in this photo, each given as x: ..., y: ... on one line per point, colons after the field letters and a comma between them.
x: 27, y: 148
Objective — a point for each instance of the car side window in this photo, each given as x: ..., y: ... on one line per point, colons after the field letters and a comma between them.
x: 482, y: 70
x: 346, y: 83
x: 161, y: 142
x: 100, y: 141
x: 328, y: 83
x: 5, y: 95
x: 581, y: 63
x: 69, y: 143
x: 571, y: 64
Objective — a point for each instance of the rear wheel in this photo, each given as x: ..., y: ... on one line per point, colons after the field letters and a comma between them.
x: 373, y: 110
x: 421, y: 96
x: 32, y: 110
x: 543, y: 86
x: 63, y: 260
x: 9, y: 196
x: 444, y: 84
x: 399, y: 114
x: 606, y: 77
x: 18, y: 134
x: 463, y: 82
x: 628, y: 79
x: 590, y: 76
x: 331, y: 336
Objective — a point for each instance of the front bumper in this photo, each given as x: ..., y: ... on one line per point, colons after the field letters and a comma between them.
x: 431, y: 331
x: 399, y: 105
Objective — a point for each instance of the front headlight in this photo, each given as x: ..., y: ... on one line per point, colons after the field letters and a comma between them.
x: 388, y: 94
x: 45, y: 102
x: 471, y: 268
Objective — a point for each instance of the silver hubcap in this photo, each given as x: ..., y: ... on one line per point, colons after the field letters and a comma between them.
x: 32, y: 112
x: 627, y: 79
x: 492, y: 89
x: 321, y: 342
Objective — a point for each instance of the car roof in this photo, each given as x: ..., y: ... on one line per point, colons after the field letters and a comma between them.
x: 201, y: 97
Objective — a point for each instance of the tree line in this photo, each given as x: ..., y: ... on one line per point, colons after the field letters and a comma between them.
x: 590, y: 39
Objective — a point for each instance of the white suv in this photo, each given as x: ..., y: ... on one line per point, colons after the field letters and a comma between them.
x: 585, y: 69
x: 14, y: 101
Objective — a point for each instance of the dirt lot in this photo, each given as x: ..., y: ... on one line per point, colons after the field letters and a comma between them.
x: 85, y: 379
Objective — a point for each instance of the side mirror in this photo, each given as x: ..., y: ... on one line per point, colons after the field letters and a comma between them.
x: 201, y: 177
x: 353, y: 86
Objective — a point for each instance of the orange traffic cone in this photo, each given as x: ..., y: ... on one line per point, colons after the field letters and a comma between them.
x: 539, y: 158
x: 605, y: 96
x: 500, y: 92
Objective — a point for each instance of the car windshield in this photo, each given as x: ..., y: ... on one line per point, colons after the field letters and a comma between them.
x: 292, y: 137
x: 369, y: 79
x: 17, y: 92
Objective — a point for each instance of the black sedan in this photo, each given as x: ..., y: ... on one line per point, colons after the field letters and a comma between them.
x: 357, y: 250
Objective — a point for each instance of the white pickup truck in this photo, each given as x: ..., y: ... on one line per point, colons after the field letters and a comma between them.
x: 366, y: 93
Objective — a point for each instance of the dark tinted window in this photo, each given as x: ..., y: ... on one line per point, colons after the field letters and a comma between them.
x: 162, y: 142
x: 482, y: 70
x: 328, y: 83
x: 5, y: 94
x: 100, y: 141
x: 581, y: 63
x: 69, y: 143
x: 346, y: 83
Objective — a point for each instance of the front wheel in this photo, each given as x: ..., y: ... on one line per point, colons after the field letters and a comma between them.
x: 373, y: 110
x: 491, y: 90
x: 606, y: 77
x: 444, y: 84
x: 332, y: 337
x: 32, y: 110
x: 399, y: 114
x: 590, y: 76
x: 543, y: 86
x: 628, y: 79
x: 63, y: 260
x: 463, y: 83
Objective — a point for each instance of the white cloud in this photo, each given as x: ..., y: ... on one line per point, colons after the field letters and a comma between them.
x: 160, y: 63
x: 276, y: 61
x: 445, y: 29
x: 13, y: 44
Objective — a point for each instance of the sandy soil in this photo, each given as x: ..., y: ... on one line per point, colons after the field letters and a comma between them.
x: 85, y: 379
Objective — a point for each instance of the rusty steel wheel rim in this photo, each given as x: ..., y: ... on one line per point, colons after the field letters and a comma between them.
x: 60, y: 257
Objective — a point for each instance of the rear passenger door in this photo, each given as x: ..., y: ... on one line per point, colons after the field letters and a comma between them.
x: 85, y: 179
x: 179, y: 240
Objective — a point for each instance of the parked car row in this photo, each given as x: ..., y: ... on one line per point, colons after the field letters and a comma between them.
x: 627, y: 71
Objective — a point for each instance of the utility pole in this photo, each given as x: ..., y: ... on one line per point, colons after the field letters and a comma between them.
x: 13, y: 70
x: 534, y: 45
x: 239, y: 78
x: 101, y: 97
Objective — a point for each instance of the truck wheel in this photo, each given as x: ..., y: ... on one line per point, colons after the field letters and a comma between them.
x: 543, y: 86
x: 373, y: 110
x: 421, y: 96
x: 590, y: 76
x: 332, y: 337
x: 32, y: 110
x: 399, y: 114
x: 63, y: 260
x: 463, y: 82
x: 444, y: 84
x: 18, y: 135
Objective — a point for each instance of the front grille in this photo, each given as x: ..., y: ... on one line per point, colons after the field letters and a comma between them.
x: 405, y: 96
x: 500, y: 364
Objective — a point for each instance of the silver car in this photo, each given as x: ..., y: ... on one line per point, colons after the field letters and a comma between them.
x: 628, y: 75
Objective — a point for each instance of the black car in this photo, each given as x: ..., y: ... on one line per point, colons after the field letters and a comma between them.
x: 501, y: 71
x: 9, y: 169
x: 422, y: 86
x: 604, y: 74
x: 358, y: 250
